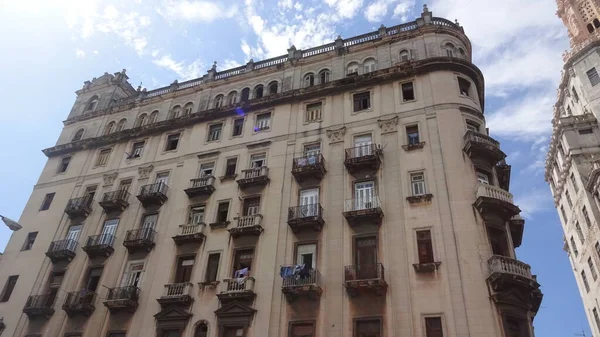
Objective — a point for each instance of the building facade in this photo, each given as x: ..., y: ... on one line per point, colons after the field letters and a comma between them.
x: 349, y: 189
x: 572, y: 165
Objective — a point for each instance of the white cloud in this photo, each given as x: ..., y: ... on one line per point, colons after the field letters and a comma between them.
x: 533, y: 201
x: 79, y: 53
x: 378, y: 9
x: 202, y: 11
x: 403, y: 9
x: 525, y: 118
x: 229, y: 63
x: 345, y: 9
x: 184, y: 71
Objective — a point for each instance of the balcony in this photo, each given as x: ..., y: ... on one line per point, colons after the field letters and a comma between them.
x: 122, y: 298
x: 39, y: 306
x: 139, y: 239
x: 492, y: 202
x: 99, y: 245
x: 363, y: 210
x: 177, y: 294
x: 115, y: 201
x: 80, y: 303
x: 201, y: 187
x: 517, y: 226
x: 365, y: 278
x: 508, y: 273
x: 237, y: 289
x: 363, y: 158
x: 480, y: 146
x: 62, y: 250
x: 309, y: 168
x: 307, y: 287
x: 248, y: 225
x: 253, y: 177
x: 193, y: 233
x: 153, y: 194
x: 79, y: 207
x: 306, y: 217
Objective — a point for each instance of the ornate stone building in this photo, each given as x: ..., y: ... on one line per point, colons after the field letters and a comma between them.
x: 349, y: 189
x: 572, y: 164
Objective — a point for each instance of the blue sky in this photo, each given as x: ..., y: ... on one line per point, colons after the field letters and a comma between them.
x: 49, y: 48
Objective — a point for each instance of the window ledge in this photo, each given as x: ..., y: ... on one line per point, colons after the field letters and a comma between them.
x: 216, y: 225
x: 223, y: 178
x: 417, y: 199
x: 213, y: 141
x: 408, y: 101
x: 134, y: 158
x: 426, y: 267
x: 211, y: 284
x: 362, y: 111
x: 411, y: 147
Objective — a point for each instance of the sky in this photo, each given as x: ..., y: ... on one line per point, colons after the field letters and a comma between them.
x: 49, y: 48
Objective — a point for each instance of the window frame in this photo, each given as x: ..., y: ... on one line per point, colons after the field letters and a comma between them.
x: 103, y: 153
x: 585, y: 131
x: 430, y: 316
x: 367, y: 94
x: 233, y: 127
x: 593, y: 77
x: 408, y: 135
x: 8, y: 288
x: 585, y: 281
x: 62, y: 167
x: 211, y: 135
x: 357, y: 320
x: 49, y: 196
x: 268, y: 125
x: 464, y: 92
x: 168, y: 141
x: 423, y: 181
x: 293, y: 323
x: 219, y: 203
x: 134, y: 149
x: 412, y: 87
x: 227, y: 160
x: 319, y: 114
x: 29, y: 242
x: 431, y: 250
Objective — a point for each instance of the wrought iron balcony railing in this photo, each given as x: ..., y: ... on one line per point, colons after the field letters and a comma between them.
x: 115, y: 200
x: 79, y: 207
x: 364, y: 272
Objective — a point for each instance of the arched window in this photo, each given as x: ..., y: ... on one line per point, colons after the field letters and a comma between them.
x: 245, y: 95
x: 141, y: 120
x: 258, y: 91
x: 121, y: 125
x: 153, y: 117
x: 232, y: 98
x: 78, y: 135
x: 309, y: 80
x: 273, y: 88
x: 201, y: 330
x: 188, y: 108
x: 91, y: 105
x: 219, y: 101
x: 110, y: 128
x: 352, y: 68
x: 590, y: 28
x: 449, y: 49
x: 404, y: 56
x: 175, y: 112
x: 462, y: 53
x: 596, y: 23
x: 370, y: 65
x: 324, y: 76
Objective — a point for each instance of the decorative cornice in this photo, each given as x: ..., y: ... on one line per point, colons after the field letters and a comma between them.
x: 209, y: 154
x: 259, y: 144
x: 337, y: 135
x: 144, y: 171
x: 297, y: 95
x: 109, y: 179
x: 388, y: 125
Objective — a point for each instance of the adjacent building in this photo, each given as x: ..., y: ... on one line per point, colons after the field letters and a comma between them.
x: 573, y: 161
x: 350, y: 189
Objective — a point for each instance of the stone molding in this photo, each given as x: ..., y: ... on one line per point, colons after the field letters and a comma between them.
x: 144, y: 171
x: 337, y: 135
x: 389, y: 125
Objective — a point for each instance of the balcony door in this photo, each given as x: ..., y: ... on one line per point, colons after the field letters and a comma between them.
x: 185, y: 265
x: 93, y: 278
x: 365, y: 257
x: 251, y: 206
x: 309, y: 200
x: 108, y: 231
x: 242, y: 259
x: 73, y: 236
x: 148, y: 225
x: 307, y: 254
x: 162, y: 178
x: 362, y: 145
x: 364, y: 193
x: 133, y: 275
x: 233, y: 332
x: 258, y: 160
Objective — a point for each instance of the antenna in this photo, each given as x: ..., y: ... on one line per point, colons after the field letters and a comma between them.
x: 582, y: 334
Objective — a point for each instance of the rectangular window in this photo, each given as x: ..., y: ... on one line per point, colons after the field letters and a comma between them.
x: 172, y: 142
x: 569, y: 112
x: 162, y: 178
x: 212, y: 267
x: 597, y: 247
x: 313, y: 112
x: 258, y: 160
x: 585, y: 281
x: 408, y: 92
x: 579, y: 232
x: 367, y: 327
x: 472, y: 126
x: 568, y: 197
x: 8, y: 288
x: 595, y: 313
x: 64, y: 164
x: 564, y: 214
x: 574, y: 183
x: 149, y: 221
x: 230, y: 167
x: 307, y: 254
x: 592, y: 268
x: 29, y: 241
x: 263, y: 122
x: 137, y: 149
x: 575, y: 95
x: 464, y: 86
x: 103, y: 157
x: 214, y: 132
x: 424, y: 246
x: 251, y: 206
x: 125, y: 185
x: 364, y: 195
x: 585, y: 131
x: 574, y: 247
x: 412, y: 134
x: 233, y: 332
x: 238, y: 127
x: 592, y: 75
x: 47, y: 201
x: 561, y: 150
x: 206, y: 169
x: 417, y: 181
x: 133, y: 274
x: 483, y: 177
x: 362, y: 101
x: 196, y: 215
x: 185, y: 265
x: 302, y: 329
x: 433, y: 327
x: 242, y: 259
x: 222, y: 211
x: 92, y: 281
x: 586, y: 216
